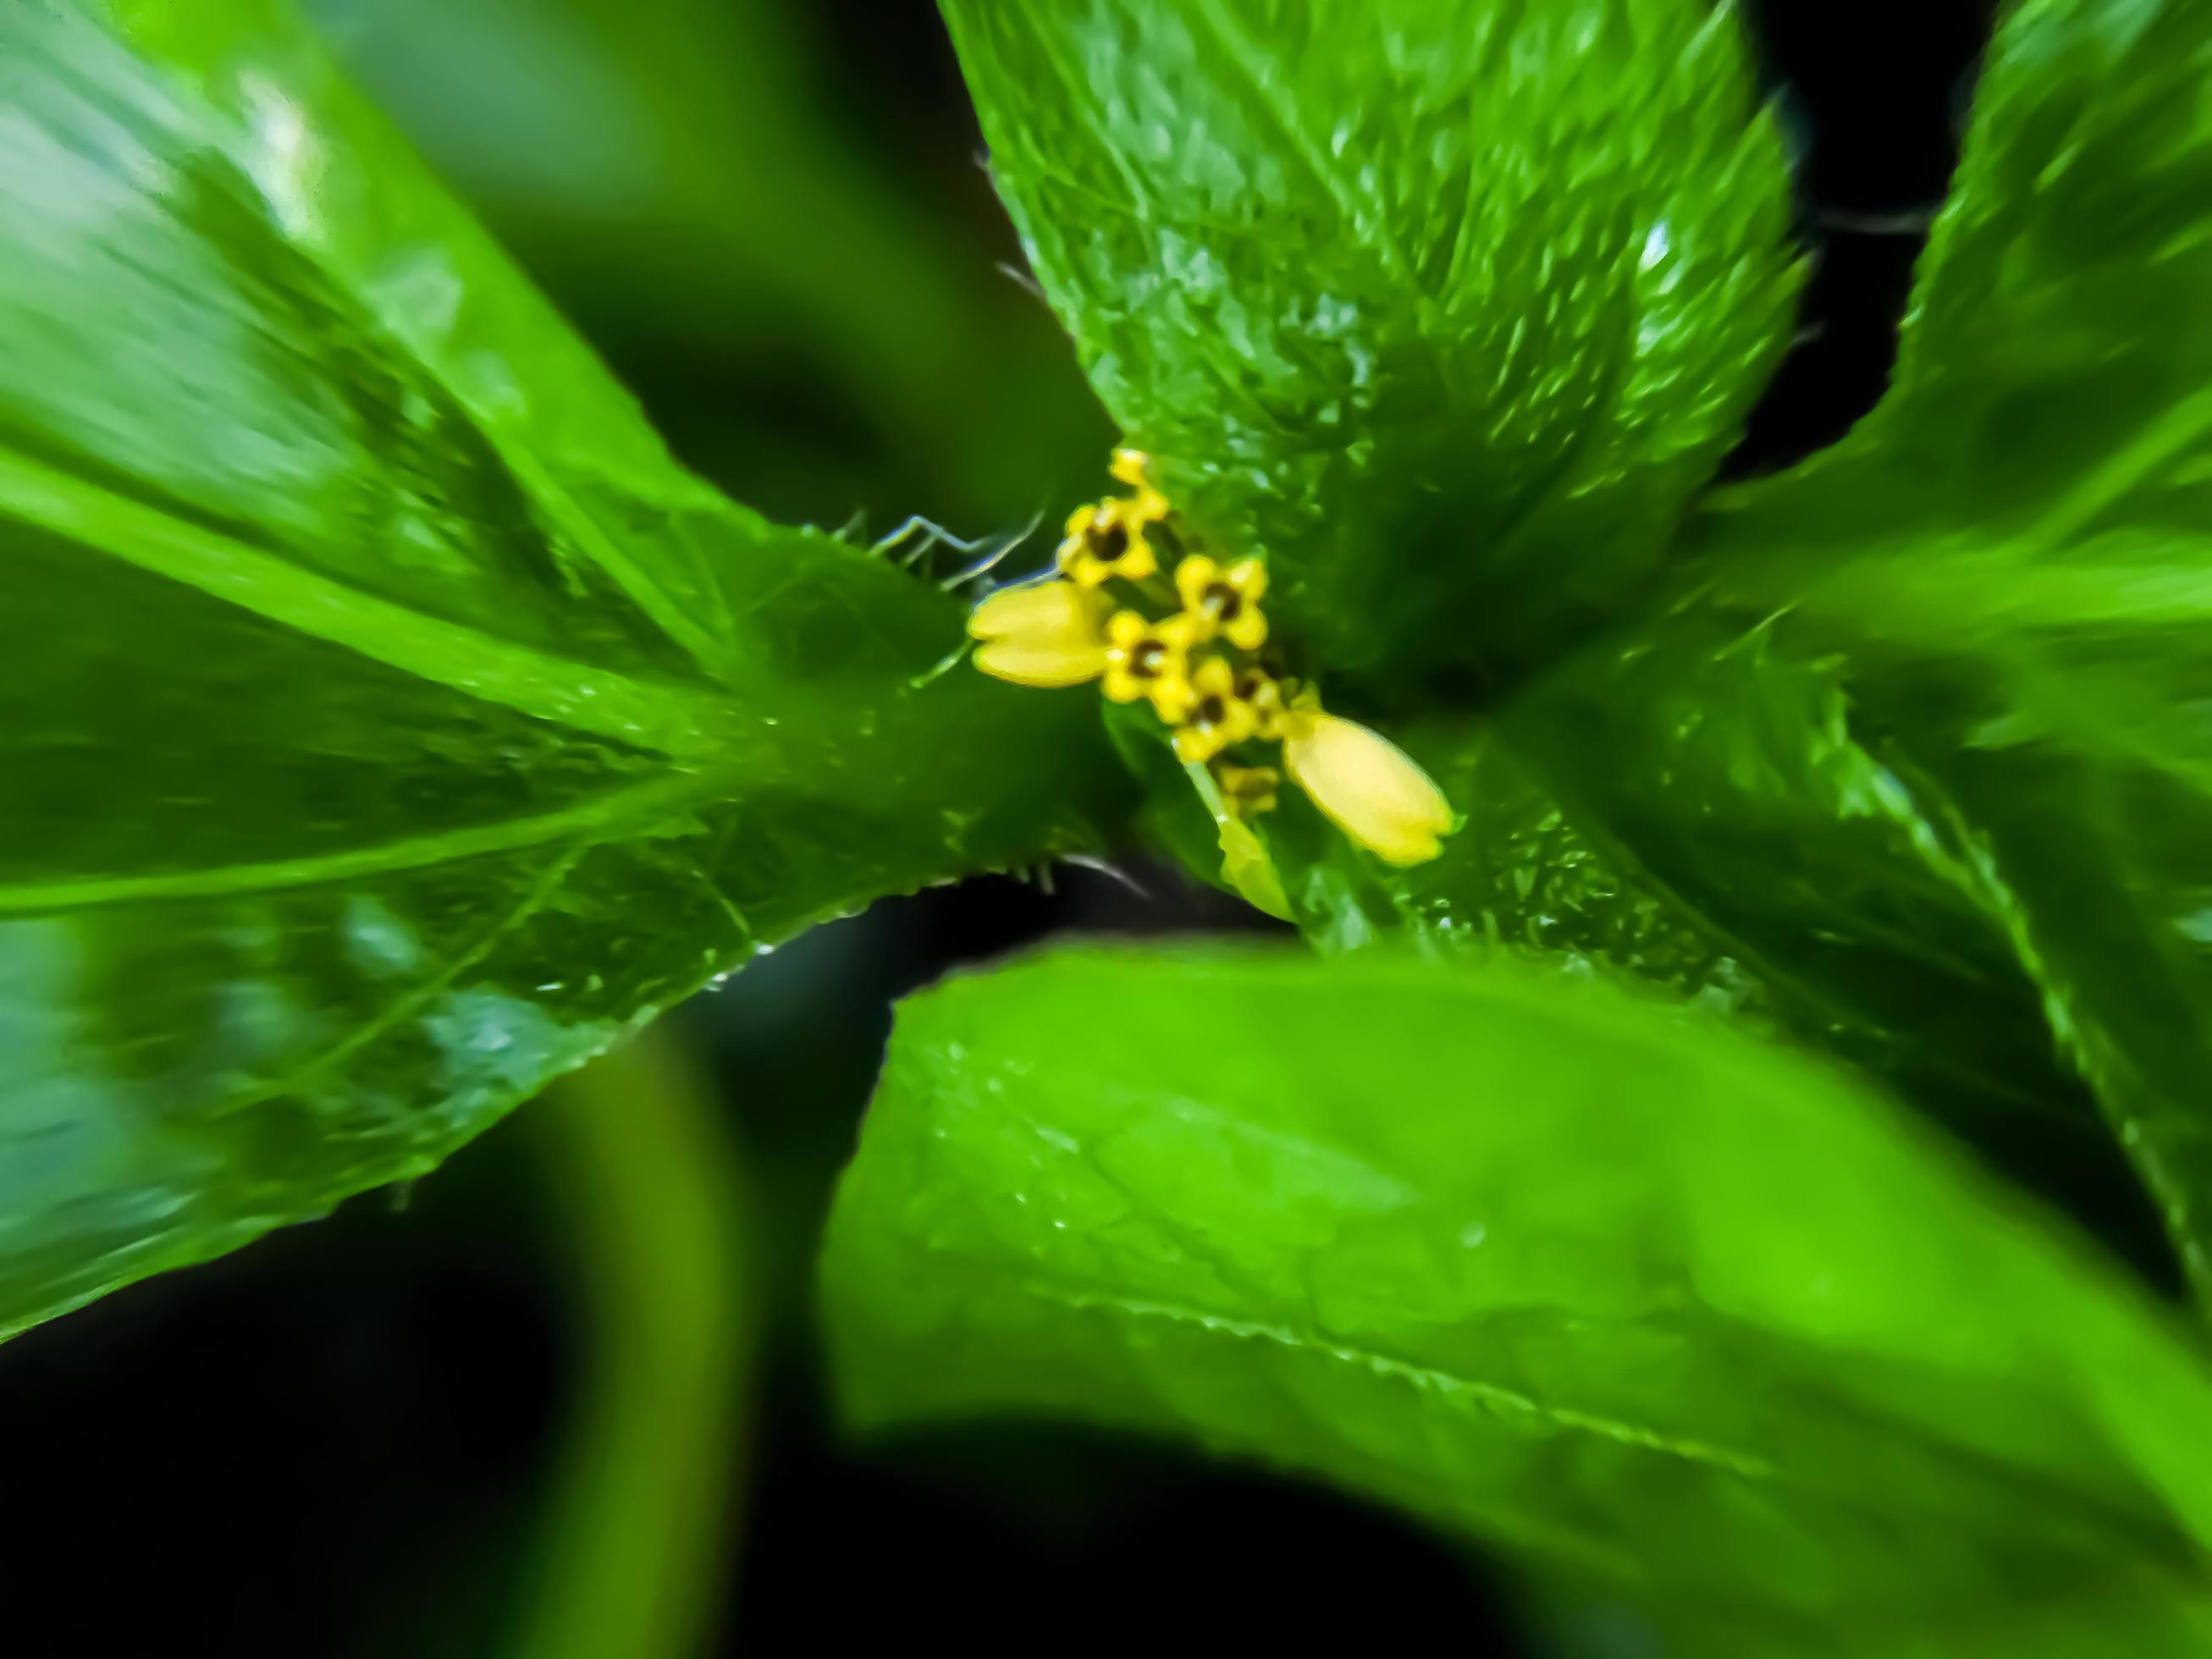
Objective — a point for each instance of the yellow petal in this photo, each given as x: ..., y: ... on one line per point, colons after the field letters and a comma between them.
x: 1127, y: 628
x: 1047, y: 634
x: 1171, y: 696
x: 1214, y: 678
x: 1194, y: 745
x: 1042, y: 608
x: 1030, y: 662
x: 1193, y: 577
x: 1139, y: 562
x: 1249, y: 631
x: 1369, y: 786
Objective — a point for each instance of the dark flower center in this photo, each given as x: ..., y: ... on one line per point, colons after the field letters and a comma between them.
x: 1110, y: 542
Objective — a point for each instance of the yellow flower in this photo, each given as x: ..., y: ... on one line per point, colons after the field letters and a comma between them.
x: 1249, y: 791
x: 1270, y: 699
x: 1226, y: 600
x: 1370, y: 788
x: 1150, y: 659
x: 1216, y: 717
x: 1047, y: 634
x: 1132, y: 467
x: 1104, y: 542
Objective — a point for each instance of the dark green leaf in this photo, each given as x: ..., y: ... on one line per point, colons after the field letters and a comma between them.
x: 1671, y: 1317
x: 1448, y: 305
x: 388, y: 724
x: 2011, y: 556
x: 1691, y: 803
x: 1519, y: 874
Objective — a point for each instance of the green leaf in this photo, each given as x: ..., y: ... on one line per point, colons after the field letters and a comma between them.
x: 1447, y: 305
x: 1671, y: 1317
x: 1689, y: 802
x: 1519, y: 874
x: 389, y: 723
x: 2011, y: 556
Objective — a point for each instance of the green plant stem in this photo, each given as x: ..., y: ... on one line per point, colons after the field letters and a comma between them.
x: 643, y: 1522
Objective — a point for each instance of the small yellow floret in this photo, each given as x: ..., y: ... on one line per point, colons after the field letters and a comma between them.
x: 1048, y: 634
x: 1225, y: 600
x: 1270, y: 699
x: 1106, y: 541
x: 1202, y: 672
x: 1247, y: 790
x: 1216, y: 717
x: 1150, y: 659
x: 1370, y: 788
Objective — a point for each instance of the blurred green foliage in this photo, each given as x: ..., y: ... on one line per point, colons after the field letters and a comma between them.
x: 696, y: 185
x: 648, y: 1175
x: 396, y: 721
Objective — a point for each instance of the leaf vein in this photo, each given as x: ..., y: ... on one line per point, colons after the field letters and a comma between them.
x: 567, y: 693
x: 600, y: 819
x: 1491, y: 1395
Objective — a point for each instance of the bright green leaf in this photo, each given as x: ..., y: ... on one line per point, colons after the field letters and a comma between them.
x: 1448, y: 305
x: 388, y: 724
x: 2011, y: 556
x: 1671, y: 1317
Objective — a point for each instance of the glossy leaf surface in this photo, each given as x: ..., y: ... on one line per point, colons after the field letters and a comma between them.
x: 388, y: 723
x: 1582, y: 1276
x: 1446, y: 305
x: 1693, y: 801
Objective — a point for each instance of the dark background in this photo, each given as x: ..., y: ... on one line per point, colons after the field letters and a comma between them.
x: 353, y: 1437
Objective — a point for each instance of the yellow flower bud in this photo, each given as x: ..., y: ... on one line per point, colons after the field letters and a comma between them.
x: 1370, y: 788
x: 1048, y: 634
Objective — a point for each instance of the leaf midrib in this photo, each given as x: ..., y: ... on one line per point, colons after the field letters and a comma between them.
x: 682, y: 725
x: 604, y: 817
x: 1062, y: 1289
x: 1244, y: 55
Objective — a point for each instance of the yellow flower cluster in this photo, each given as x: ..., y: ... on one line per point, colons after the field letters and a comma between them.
x: 1203, y: 667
